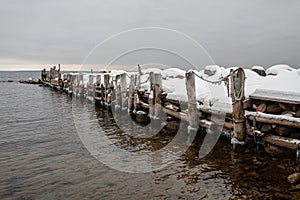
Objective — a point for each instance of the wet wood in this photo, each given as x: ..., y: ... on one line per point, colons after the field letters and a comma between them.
x: 273, y: 119
x: 131, y: 93
x: 192, y: 103
x: 157, y: 92
x: 238, y: 96
x: 277, y: 140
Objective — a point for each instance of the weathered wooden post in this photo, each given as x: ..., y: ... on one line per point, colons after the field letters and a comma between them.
x: 76, y: 84
x: 157, y: 86
x: 96, y: 88
x: 237, y: 78
x: 131, y: 93
x: 123, y: 91
x: 89, y: 91
x: 192, y: 106
x: 151, y: 95
x: 106, y: 90
x: 117, y: 94
x: 138, y: 78
x: 81, y: 85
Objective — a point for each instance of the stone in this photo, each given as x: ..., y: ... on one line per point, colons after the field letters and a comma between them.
x: 298, y: 113
x: 259, y: 70
x: 274, y: 109
x: 274, y: 151
x: 284, y: 130
x: 210, y: 70
x: 261, y: 108
x: 284, y: 106
x: 294, y: 178
x: 266, y: 128
x: 141, y: 117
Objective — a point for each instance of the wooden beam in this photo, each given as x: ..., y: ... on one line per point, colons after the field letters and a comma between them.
x: 274, y: 119
x: 278, y: 140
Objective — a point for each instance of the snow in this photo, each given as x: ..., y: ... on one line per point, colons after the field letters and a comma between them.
x: 211, y: 69
x: 283, y: 78
x: 257, y: 68
x: 173, y: 73
x: 271, y: 116
x: 277, y: 69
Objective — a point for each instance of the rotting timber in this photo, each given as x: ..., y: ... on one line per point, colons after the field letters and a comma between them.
x: 270, y: 116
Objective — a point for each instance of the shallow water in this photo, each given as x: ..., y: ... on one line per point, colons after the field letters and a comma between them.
x: 42, y: 157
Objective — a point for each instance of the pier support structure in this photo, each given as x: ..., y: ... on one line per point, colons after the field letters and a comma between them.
x: 237, y: 89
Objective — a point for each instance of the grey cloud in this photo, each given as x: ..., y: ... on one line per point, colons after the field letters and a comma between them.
x: 234, y: 32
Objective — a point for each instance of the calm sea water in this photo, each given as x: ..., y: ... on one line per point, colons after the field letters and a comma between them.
x: 42, y: 157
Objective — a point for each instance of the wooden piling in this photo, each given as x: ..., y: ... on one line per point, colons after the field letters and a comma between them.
x: 123, y: 91
x: 192, y: 106
x: 131, y: 93
x: 157, y: 86
x: 238, y: 95
x: 151, y: 95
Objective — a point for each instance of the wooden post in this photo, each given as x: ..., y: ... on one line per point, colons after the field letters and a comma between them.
x: 123, y: 91
x: 97, y: 87
x: 131, y: 93
x: 81, y: 86
x: 157, y: 92
x: 89, y: 90
x: 117, y: 94
x: 138, y: 78
x: 192, y: 106
x: 106, y: 88
x: 72, y: 85
x: 151, y: 96
x: 238, y: 95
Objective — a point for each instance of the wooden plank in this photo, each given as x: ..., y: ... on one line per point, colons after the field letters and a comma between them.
x: 274, y: 119
x: 278, y: 140
x: 283, y: 141
x: 277, y: 96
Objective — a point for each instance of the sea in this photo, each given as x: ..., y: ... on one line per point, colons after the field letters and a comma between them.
x: 43, y: 156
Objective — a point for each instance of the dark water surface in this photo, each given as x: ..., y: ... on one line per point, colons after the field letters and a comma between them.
x: 42, y: 157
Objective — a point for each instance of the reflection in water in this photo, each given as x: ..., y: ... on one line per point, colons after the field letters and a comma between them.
x: 42, y: 157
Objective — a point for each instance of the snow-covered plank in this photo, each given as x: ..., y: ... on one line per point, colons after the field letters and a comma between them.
x: 278, y: 96
x: 274, y: 119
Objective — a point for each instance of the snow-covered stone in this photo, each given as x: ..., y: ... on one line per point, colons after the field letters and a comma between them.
x: 259, y: 70
x: 210, y: 70
x: 276, y: 69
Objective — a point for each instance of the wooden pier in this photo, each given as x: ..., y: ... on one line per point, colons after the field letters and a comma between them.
x: 271, y: 116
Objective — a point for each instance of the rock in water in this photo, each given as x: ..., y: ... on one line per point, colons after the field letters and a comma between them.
x: 141, y: 117
x: 294, y: 178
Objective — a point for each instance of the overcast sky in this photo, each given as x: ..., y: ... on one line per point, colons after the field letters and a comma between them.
x: 36, y: 33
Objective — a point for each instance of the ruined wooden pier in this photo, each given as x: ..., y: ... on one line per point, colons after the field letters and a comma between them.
x: 271, y: 116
